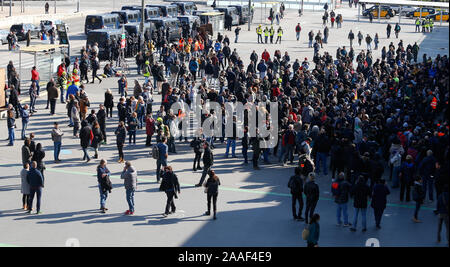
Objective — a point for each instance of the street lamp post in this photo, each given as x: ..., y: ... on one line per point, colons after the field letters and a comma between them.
x: 55, y: 6
x: 10, y: 8
x: 249, y: 13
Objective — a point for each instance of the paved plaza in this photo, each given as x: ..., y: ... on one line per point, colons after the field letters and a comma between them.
x: 254, y: 207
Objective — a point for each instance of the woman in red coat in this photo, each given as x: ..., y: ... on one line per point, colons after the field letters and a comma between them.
x: 149, y: 129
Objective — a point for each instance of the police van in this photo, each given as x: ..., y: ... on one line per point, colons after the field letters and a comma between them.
x: 102, y: 21
x: 100, y: 36
x: 149, y: 12
x: 128, y: 16
x: 188, y: 19
x: 173, y: 24
x: 243, y: 13
x: 166, y: 10
x: 232, y: 11
x: 134, y: 28
x: 185, y: 8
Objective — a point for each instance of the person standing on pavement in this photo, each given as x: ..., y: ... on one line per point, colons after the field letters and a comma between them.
x: 97, y: 138
x: 351, y: 37
x: 298, y: 29
x: 108, y: 103
x: 52, y: 96
x: 28, y: 37
x: 170, y: 186
x: 442, y: 210
x: 397, y: 29
x: 279, y: 34
x: 32, y: 91
x: 379, y: 200
x: 311, y: 191
x: 86, y: 137
x: 427, y: 169
x: 360, y: 37
x: 11, y: 122
x: 121, y: 134
x: 38, y: 156
x: 236, y: 33
x: 296, y: 185
x: 208, y: 161
x: 162, y: 156
x: 406, y: 175
x: 36, y: 182
x: 322, y: 145
x: 57, y: 135
x: 212, y: 191
x: 35, y: 78
x: 341, y: 190
x: 101, y: 119
x: 129, y: 177
x: 25, y: 114
x: 360, y: 193
x: 418, y: 196
x: 26, y: 152
x: 104, y: 184
x: 314, y: 231
x: 25, y: 186
x: 388, y: 30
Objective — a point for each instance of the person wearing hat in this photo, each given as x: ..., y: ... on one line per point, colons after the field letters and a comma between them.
x: 146, y: 71
x: 259, y: 33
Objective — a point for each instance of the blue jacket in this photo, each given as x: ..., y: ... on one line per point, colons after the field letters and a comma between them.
x: 262, y: 67
x: 35, y: 178
x: 314, y: 233
x: 72, y: 90
x: 25, y: 114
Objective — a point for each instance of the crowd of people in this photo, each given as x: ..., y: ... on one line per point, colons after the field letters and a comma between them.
x: 355, y: 118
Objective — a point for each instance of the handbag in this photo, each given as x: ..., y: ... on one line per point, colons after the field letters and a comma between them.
x: 305, y: 233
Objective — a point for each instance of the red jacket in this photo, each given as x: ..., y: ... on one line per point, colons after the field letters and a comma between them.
x: 149, y: 126
x: 266, y: 56
x: 35, y: 75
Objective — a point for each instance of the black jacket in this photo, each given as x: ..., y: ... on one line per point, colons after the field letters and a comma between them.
x: 296, y: 184
x: 169, y: 182
x: 311, y: 191
x: 360, y: 193
x: 212, y: 185
x: 85, y: 136
x: 208, y: 157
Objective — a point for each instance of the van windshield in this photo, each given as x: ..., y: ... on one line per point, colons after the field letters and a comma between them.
x: 94, y: 22
x: 97, y: 37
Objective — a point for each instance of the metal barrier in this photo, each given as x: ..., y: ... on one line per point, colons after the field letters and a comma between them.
x: 310, y: 5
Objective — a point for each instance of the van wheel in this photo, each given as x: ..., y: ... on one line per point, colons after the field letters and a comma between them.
x: 388, y: 17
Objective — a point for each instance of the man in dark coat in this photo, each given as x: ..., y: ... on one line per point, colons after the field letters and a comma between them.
x: 208, y: 160
x: 312, y: 196
x: 86, y: 137
x: 36, y: 182
x: 379, y: 200
x: 296, y: 186
x: 360, y: 193
x: 341, y: 190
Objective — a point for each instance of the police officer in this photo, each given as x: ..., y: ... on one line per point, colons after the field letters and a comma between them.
x: 259, y: 33
x: 279, y: 33
x: 146, y: 71
x: 266, y: 35
x: 417, y: 25
x: 431, y: 24
x: 272, y: 33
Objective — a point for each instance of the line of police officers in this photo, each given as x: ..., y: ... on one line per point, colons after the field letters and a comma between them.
x: 268, y: 32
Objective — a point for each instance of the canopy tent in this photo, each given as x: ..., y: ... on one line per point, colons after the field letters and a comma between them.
x: 46, y: 49
x: 420, y: 4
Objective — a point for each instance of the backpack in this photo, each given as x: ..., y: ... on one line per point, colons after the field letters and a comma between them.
x: 306, y: 165
x: 155, y: 152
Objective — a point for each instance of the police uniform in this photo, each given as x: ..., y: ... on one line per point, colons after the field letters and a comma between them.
x: 280, y: 34
x: 266, y: 35
x: 259, y: 33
